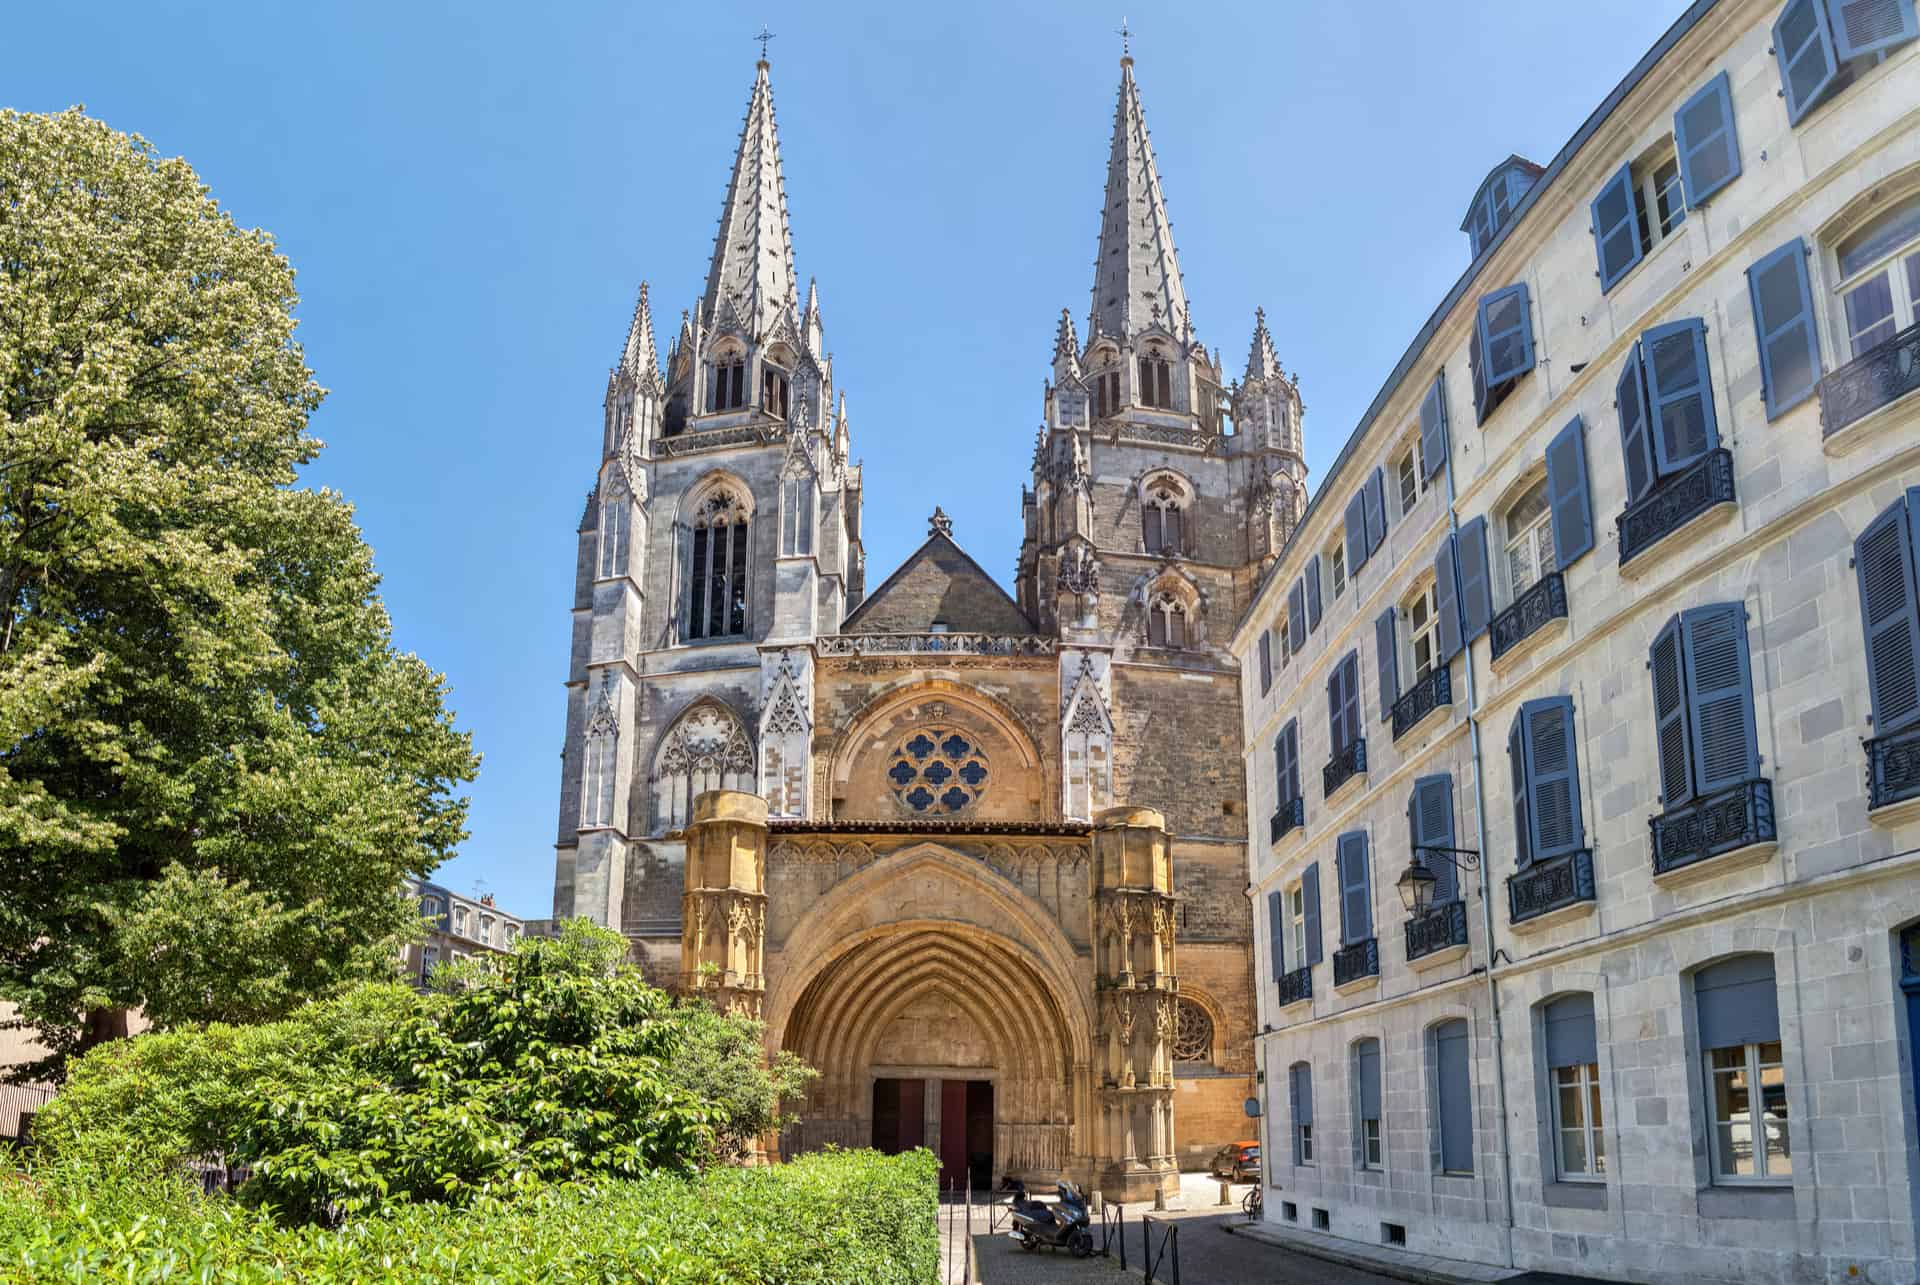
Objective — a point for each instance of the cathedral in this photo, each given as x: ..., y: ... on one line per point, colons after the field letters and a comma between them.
x: 979, y: 858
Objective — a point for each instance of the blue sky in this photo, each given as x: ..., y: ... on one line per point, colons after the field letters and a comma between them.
x: 472, y: 193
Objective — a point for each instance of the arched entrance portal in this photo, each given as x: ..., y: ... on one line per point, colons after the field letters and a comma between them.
x: 943, y: 1035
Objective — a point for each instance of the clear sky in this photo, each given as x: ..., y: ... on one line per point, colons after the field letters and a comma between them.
x: 472, y: 193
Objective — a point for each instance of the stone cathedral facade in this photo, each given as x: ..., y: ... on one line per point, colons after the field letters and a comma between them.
x: 980, y: 858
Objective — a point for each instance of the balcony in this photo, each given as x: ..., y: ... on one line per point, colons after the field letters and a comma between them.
x: 1545, y: 888
x: 1544, y: 602
x: 1675, y: 501
x: 1292, y: 815
x: 1880, y: 376
x: 1893, y: 775
x: 1732, y: 820
x: 1443, y: 927
x: 1346, y: 765
x: 1356, y: 962
x: 1431, y: 693
x: 1296, y: 986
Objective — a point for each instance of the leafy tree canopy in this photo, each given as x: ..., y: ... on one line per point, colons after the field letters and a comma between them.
x: 204, y: 726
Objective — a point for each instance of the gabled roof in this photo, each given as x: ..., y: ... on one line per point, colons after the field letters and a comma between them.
x: 939, y: 583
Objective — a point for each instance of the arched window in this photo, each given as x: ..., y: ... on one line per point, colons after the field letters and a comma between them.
x: 727, y: 381
x: 774, y: 391
x: 1156, y: 381
x: 796, y: 517
x: 596, y: 794
x: 616, y: 517
x: 1106, y: 387
x: 1166, y: 622
x: 717, y: 576
x: 1161, y: 518
x: 1193, y: 1035
x: 1880, y: 276
x: 1529, y: 523
x: 707, y: 749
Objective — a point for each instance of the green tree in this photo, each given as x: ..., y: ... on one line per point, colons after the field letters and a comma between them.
x: 202, y: 713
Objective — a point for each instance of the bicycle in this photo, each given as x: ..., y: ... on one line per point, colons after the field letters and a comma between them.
x: 1253, y: 1203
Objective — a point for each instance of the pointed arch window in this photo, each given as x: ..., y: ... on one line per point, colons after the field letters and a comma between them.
x: 717, y: 577
x: 706, y: 749
x: 796, y: 517
x: 616, y: 519
x: 1156, y: 381
x: 1106, y: 393
x: 1167, y: 622
x: 596, y: 794
x: 727, y: 383
x: 1162, y: 519
x: 775, y: 390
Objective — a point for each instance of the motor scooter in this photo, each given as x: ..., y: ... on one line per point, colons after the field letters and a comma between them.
x: 1037, y: 1225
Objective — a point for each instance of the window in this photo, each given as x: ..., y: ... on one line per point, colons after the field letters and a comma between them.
x: 486, y: 930
x: 1546, y: 788
x: 1885, y: 558
x: 1366, y: 521
x: 796, y: 517
x: 1300, y: 1095
x: 1286, y: 645
x: 1422, y: 634
x: 1297, y: 614
x: 1412, y: 483
x: 1571, y: 534
x: 1703, y: 703
x: 1498, y: 197
x: 1642, y: 205
x: 717, y: 580
x: 615, y: 518
x: 774, y: 387
x: 1744, y: 1073
x: 1193, y: 1033
x: 596, y: 801
x: 1705, y: 141
x: 1286, y: 763
x: 1297, y: 923
x: 1433, y: 426
x: 1665, y: 398
x: 1462, y: 589
x: 1166, y: 622
x: 1160, y: 519
x: 429, y: 960
x: 1313, y: 593
x: 1879, y: 287
x: 1573, y: 1095
x: 1529, y: 539
x: 1343, y: 703
x: 1356, y: 888
x: 1822, y: 45
x: 1156, y: 381
x: 1106, y: 393
x: 1662, y: 206
x: 727, y: 383
x: 1501, y: 348
x: 1452, y: 1098
x: 460, y: 921
x: 1266, y: 662
x: 1430, y: 824
x: 938, y: 771
x: 707, y: 748
x: 1368, y: 1143
x: 1783, y: 325
x: 1337, y: 563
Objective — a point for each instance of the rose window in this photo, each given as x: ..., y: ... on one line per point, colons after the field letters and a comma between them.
x: 1193, y: 1038
x: 937, y: 771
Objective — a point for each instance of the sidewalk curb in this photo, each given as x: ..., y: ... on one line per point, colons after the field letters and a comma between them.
x: 1364, y: 1262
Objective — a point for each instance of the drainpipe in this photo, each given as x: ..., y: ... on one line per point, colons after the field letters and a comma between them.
x: 1486, y: 907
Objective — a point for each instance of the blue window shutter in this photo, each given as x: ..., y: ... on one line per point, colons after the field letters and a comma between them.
x: 1430, y: 820
x: 1433, y: 426
x: 1310, y: 896
x: 1668, y: 666
x: 1517, y: 761
x: 1306, y: 1092
x: 1569, y: 1030
x: 1884, y: 563
x: 1356, y: 898
x: 1704, y: 137
x: 1803, y: 46
x: 1350, y: 692
x: 1505, y: 327
x: 1297, y: 615
x: 1615, y: 235
x: 1389, y: 657
x: 1277, y: 933
x: 1783, y: 324
x: 1266, y: 662
x: 1369, y: 1060
x: 1636, y: 443
x: 1356, y: 532
x: 1476, y: 584
x: 1334, y: 676
x: 1477, y: 368
x: 1720, y: 696
x: 1313, y: 593
x: 1568, y: 495
x: 1293, y: 1104
x: 1862, y: 27
x: 1553, y: 788
x: 1376, y: 496
x: 1456, y: 1097
x: 1737, y: 1002
x: 1679, y: 394
x: 1290, y: 778
x: 1446, y: 601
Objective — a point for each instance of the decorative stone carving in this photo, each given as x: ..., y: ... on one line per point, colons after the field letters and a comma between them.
x: 706, y: 749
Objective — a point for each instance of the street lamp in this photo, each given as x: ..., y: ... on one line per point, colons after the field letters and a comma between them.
x: 1416, y: 882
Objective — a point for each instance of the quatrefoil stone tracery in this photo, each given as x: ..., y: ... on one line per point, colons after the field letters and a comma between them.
x: 937, y: 771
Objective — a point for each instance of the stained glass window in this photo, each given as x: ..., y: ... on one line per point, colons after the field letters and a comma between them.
x: 938, y: 771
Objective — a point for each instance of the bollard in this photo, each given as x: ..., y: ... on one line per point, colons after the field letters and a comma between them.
x: 1099, y: 1205
x: 1226, y: 1194
x: 1159, y: 1201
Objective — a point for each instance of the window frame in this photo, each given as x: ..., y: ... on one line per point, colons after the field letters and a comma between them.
x: 1754, y: 1070
x: 1336, y: 559
x: 1653, y: 226
x: 1899, y: 264
x: 1543, y: 559
x: 1408, y: 474
x: 1424, y: 595
x: 1591, y: 1127
x: 701, y: 575
x: 1293, y: 905
x: 1369, y: 1134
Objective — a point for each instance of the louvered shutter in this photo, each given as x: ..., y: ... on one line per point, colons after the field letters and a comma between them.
x: 1290, y: 737
x: 1336, y: 723
x: 1313, y: 593
x: 1862, y: 27
x: 1517, y: 762
x: 1704, y: 137
x: 1636, y: 443
x: 1803, y: 46
x: 1679, y: 394
x: 1310, y: 896
x: 1476, y: 583
x: 1356, y: 897
x: 1433, y: 426
x: 1369, y: 1072
x: 1615, y: 234
x: 1293, y: 1106
x: 1356, y: 531
x: 1477, y: 368
x: 1505, y: 327
x: 1297, y: 616
x: 1737, y: 1002
x: 1567, y: 493
x: 1266, y: 662
x: 1668, y: 665
x: 1720, y: 697
x: 1376, y: 507
x: 1446, y: 601
x: 1456, y: 1097
x: 1350, y: 693
x: 1884, y: 561
x: 1277, y: 933
x: 1553, y: 793
x: 1783, y: 324
x: 1430, y: 820
x: 1387, y: 651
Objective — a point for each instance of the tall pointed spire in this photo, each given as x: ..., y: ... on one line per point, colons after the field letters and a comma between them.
x: 753, y: 253
x: 1136, y: 280
x: 640, y: 357
x: 1262, y: 361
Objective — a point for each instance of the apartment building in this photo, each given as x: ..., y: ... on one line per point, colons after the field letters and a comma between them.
x: 458, y: 927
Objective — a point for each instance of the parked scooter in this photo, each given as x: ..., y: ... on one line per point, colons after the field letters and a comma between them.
x: 1038, y: 1226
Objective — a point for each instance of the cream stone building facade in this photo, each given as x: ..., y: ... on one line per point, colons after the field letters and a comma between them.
x: 1613, y: 592
x: 942, y: 838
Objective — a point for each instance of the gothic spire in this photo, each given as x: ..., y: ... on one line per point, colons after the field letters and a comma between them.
x: 753, y: 253
x: 640, y: 357
x: 1065, y: 342
x: 1136, y: 280
x: 1262, y: 361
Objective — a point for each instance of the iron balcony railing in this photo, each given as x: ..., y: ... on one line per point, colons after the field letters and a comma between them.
x: 1296, y: 986
x: 1421, y: 699
x: 1893, y: 767
x: 1544, y: 600
x: 1701, y: 829
x: 1443, y: 926
x: 1360, y: 959
x: 1675, y: 501
x: 1878, y: 377
x: 1550, y: 885
x: 1347, y: 763
x: 1291, y: 815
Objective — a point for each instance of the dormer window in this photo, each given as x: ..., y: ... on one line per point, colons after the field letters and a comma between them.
x: 1161, y: 520
x: 774, y: 390
x: 1499, y: 196
x: 1156, y: 381
x: 727, y: 383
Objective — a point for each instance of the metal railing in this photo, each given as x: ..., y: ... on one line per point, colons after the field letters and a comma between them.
x: 1701, y: 829
x: 1347, y: 763
x: 1113, y: 1231
x: 1360, y: 959
x: 1167, y: 1252
x: 1421, y: 699
x: 1675, y: 501
x: 1291, y: 815
x: 1879, y: 376
x: 1893, y: 767
x: 1550, y: 885
x: 1296, y: 985
x: 1544, y: 600
x: 1442, y: 926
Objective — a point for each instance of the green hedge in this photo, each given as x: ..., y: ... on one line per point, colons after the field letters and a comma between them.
x: 840, y: 1216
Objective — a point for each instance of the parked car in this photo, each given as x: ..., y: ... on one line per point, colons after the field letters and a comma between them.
x: 1238, y: 1161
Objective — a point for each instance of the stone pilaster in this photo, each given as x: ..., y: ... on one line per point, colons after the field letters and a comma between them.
x: 724, y: 908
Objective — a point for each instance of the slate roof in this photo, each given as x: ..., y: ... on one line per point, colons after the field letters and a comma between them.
x: 939, y: 582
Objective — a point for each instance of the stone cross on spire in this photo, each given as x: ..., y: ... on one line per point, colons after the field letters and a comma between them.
x: 1136, y: 279
x: 753, y: 253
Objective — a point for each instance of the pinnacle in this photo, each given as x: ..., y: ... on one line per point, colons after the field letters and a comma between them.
x: 640, y: 356
x: 1262, y: 361
x: 1065, y: 342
